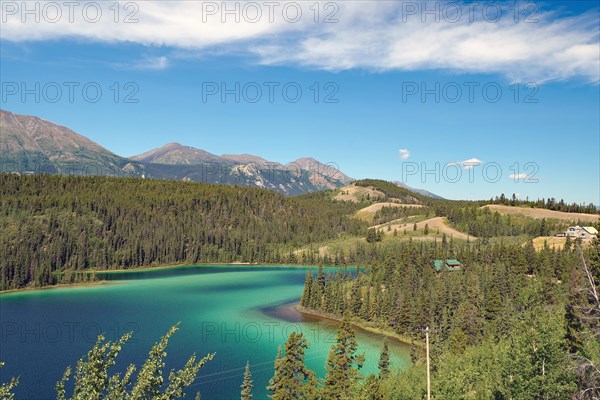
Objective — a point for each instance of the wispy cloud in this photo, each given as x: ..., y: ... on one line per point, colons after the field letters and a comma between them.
x: 470, y: 163
x: 153, y: 63
x: 147, y: 63
x: 368, y: 35
x: 466, y: 164
x: 404, y: 153
x: 518, y: 176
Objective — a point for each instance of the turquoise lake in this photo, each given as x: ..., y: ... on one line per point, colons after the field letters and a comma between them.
x: 240, y: 312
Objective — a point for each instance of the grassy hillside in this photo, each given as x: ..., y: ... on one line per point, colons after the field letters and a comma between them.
x: 540, y: 213
x: 394, y: 211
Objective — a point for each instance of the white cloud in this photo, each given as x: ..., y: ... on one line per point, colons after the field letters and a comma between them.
x: 404, y: 154
x: 470, y: 163
x: 369, y: 35
x: 466, y: 164
x: 148, y: 63
x: 159, y: 63
x: 518, y: 176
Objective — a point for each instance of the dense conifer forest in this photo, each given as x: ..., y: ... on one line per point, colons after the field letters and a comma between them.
x: 55, y: 223
x: 55, y: 227
x: 512, y: 324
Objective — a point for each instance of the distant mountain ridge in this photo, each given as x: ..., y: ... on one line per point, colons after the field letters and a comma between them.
x: 33, y: 144
x: 420, y: 191
x: 176, y: 154
x: 29, y: 144
x: 244, y: 158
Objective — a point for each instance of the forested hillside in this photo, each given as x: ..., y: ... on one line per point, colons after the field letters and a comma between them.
x: 513, y: 323
x: 68, y: 224
x: 55, y: 223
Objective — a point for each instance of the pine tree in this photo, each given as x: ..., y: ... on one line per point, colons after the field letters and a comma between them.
x: 493, y: 303
x: 371, y: 235
x: 307, y: 294
x: 275, y: 380
x: 356, y: 297
x: 292, y: 380
x: 247, y: 385
x: 365, y: 309
x: 573, y: 321
x: 384, y: 360
x: 343, y: 364
x: 321, y: 278
x: 373, y: 386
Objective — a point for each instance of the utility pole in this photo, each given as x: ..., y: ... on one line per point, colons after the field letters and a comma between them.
x: 427, y: 350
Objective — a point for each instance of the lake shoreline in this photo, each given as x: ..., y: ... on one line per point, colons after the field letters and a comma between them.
x: 57, y: 286
x: 379, y: 331
x: 139, y: 269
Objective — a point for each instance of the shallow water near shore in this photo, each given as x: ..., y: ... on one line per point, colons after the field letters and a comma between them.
x: 241, y: 312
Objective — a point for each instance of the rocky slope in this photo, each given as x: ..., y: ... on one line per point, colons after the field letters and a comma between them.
x: 30, y: 144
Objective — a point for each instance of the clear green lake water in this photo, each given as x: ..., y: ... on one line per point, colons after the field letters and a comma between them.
x: 240, y: 312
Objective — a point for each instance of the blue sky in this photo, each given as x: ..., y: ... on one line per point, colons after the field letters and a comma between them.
x: 369, y: 70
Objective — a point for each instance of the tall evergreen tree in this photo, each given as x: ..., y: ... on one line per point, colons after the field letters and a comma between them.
x: 321, y: 277
x: 278, y: 374
x: 305, y: 301
x: 247, y: 385
x: 573, y: 322
x: 292, y: 380
x: 384, y: 360
x: 343, y: 364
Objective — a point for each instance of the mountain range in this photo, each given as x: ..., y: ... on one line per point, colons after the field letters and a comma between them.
x: 29, y: 144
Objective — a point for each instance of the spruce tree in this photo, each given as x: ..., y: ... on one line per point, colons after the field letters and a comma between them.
x: 277, y: 376
x: 573, y: 321
x: 356, y: 297
x: 384, y: 360
x: 343, y: 364
x: 321, y: 278
x: 247, y: 385
x: 306, y: 294
x: 292, y: 380
x: 372, y: 384
x: 372, y: 235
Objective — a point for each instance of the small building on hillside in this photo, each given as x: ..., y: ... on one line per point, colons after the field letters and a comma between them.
x: 449, y: 264
x: 593, y: 232
x: 586, y: 232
